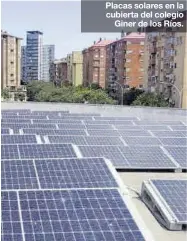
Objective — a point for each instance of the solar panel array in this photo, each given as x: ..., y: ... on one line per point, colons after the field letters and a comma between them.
x: 49, y: 192
x: 88, y: 130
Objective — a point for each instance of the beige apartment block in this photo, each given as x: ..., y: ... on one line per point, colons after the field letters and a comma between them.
x: 77, y: 68
x: 166, y: 66
x: 69, y: 68
x: 10, y: 60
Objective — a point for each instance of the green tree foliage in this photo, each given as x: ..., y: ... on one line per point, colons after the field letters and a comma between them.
x: 5, y: 94
x: 131, y: 95
x: 48, y: 92
x: 95, y: 86
x: 151, y: 99
x: 19, y: 96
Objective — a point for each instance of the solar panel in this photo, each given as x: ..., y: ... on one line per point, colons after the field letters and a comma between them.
x: 5, y: 131
x: 18, y: 139
x: 46, y: 151
x: 10, y: 226
x: 155, y: 127
x: 37, y: 126
x: 68, y: 117
x: 141, y: 140
x: 151, y: 157
x: 103, y: 132
x: 77, y: 140
x: 112, y: 153
x: 77, y: 215
x: 82, y: 114
x: 14, y: 125
x: 74, y: 173
x: 170, y: 198
x: 99, y: 140
x: 15, y: 120
x: 179, y: 128
x: 160, y: 122
x: 54, y: 132
x: 179, y: 154
x: 18, y: 174
x: 9, y: 152
x: 174, y: 141
x: 44, y: 113
x: 57, y: 121
x: 71, y: 126
x: 174, y: 193
x: 96, y: 127
x: 116, y: 118
x: 169, y: 133
x: 134, y: 133
x: 127, y: 127
x: 24, y: 111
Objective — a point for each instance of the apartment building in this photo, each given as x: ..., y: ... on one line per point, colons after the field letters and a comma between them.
x: 23, y: 64
x: 166, y: 69
x: 69, y: 67
x: 58, y: 71
x: 166, y: 65
x: 34, y: 55
x: 48, y: 57
x: 10, y: 60
x: 125, y: 61
x: 94, y: 63
x: 77, y: 68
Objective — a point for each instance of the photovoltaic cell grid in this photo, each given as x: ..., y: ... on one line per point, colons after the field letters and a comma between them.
x: 103, y: 132
x: 144, y: 141
x: 5, y: 131
x: 10, y: 221
x: 18, y: 139
x: 15, y: 120
x: 77, y: 140
x: 134, y: 133
x: 57, y: 121
x: 18, y: 174
x: 174, y: 141
x: 28, y: 126
x: 169, y: 133
x: 174, y: 193
x: 147, y: 122
x: 46, y: 151
x: 55, y: 132
x: 146, y: 157
x: 74, y: 173
x: 9, y: 152
x: 179, y: 154
x: 131, y: 157
x: 77, y: 215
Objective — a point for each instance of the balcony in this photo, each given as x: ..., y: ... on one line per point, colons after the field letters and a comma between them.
x: 153, y: 61
x: 96, y: 64
x: 153, y: 50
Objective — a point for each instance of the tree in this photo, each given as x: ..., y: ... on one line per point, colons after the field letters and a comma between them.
x: 5, y: 94
x: 19, y: 96
x: 131, y: 95
x: 151, y: 99
x: 95, y: 86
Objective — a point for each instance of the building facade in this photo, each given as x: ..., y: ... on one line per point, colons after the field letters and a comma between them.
x: 48, y: 57
x: 69, y: 68
x: 77, y: 68
x: 125, y: 61
x: 34, y: 55
x: 10, y: 60
x: 94, y: 64
x: 23, y: 64
x: 166, y: 68
x: 58, y: 71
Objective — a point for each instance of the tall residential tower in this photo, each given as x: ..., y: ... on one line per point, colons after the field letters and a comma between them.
x: 48, y: 58
x: 34, y: 52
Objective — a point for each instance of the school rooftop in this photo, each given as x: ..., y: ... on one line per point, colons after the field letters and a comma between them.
x: 132, y: 180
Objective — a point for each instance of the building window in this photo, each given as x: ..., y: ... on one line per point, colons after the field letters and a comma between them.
x: 141, y: 43
x: 175, y: 65
x: 12, y: 75
x: 11, y: 50
x: 11, y: 62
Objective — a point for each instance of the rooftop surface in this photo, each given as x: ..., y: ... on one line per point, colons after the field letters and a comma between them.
x: 131, y: 180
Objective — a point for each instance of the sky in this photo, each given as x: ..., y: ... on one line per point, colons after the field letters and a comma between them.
x: 59, y: 21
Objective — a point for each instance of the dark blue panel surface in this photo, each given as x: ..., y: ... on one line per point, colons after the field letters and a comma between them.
x: 179, y: 154
x: 46, y: 151
x: 5, y: 131
x: 174, y: 192
x: 54, y: 132
x: 74, y: 173
x: 77, y: 140
x: 174, y: 141
x: 10, y: 223
x: 18, y: 139
x: 18, y: 174
x: 77, y: 215
x: 9, y: 152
